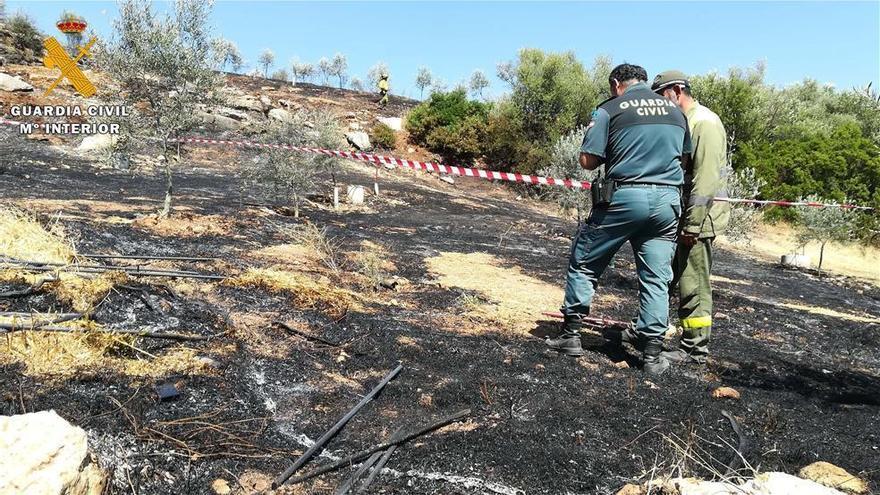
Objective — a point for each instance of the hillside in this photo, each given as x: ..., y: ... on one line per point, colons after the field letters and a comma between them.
x: 449, y: 280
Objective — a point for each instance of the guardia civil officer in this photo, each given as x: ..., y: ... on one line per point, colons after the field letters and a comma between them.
x: 703, y: 218
x: 642, y: 139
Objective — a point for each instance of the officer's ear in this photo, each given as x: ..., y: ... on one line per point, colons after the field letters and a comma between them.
x: 615, y: 87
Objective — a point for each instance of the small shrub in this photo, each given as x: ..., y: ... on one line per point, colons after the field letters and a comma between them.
x: 383, y: 137
x: 25, y: 35
x: 744, y: 217
x: 564, y: 165
x: 824, y: 224
x: 316, y: 239
x: 451, y: 125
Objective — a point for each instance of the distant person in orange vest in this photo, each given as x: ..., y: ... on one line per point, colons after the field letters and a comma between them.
x: 383, y: 89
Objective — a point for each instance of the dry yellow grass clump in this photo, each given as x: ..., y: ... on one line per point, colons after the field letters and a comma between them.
x: 306, y: 292
x: 60, y: 355
x: 23, y: 237
x: 515, y: 298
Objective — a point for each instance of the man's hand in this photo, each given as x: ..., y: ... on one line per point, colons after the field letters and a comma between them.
x: 688, y: 239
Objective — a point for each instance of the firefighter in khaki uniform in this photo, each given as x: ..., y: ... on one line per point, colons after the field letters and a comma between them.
x: 703, y: 218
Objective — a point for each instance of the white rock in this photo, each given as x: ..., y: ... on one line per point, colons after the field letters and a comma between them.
x: 447, y: 179
x: 280, y: 115
x: 246, y: 102
x: 786, y: 484
x: 395, y: 123
x: 219, y: 121
x: 97, y: 142
x: 359, y: 140
x: 355, y: 195
x: 265, y: 101
x: 42, y: 454
x: 762, y: 484
x: 13, y: 83
x: 232, y: 114
x: 796, y: 260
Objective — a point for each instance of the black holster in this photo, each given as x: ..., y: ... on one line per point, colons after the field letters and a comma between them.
x: 601, y: 191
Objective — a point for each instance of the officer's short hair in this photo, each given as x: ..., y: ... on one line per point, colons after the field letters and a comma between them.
x: 627, y: 72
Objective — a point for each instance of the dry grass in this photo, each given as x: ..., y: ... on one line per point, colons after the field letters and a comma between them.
x: 314, y: 239
x: 306, y: 292
x: 372, y: 263
x: 509, y: 296
x: 23, y: 237
x: 83, y: 294
x: 186, y: 224
x: 772, y: 241
x: 61, y: 355
x: 819, y: 310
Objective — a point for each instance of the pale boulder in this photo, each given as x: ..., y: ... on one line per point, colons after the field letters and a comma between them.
x: 836, y: 477
x: 359, y: 140
x: 280, y: 115
x: 395, y: 123
x: 97, y: 142
x: 42, y: 454
x: 13, y: 83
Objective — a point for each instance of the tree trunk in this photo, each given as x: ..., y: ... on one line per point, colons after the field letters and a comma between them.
x: 169, y: 188
x: 821, y: 255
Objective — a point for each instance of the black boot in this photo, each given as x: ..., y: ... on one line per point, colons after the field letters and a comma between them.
x: 569, y: 340
x: 653, y: 362
x: 625, y: 336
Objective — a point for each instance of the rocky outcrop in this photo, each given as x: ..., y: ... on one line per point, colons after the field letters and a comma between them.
x: 395, y: 123
x: 280, y: 115
x: 761, y: 484
x: 42, y: 454
x: 359, y: 140
x: 97, y: 142
x: 13, y: 83
x: 833, y: 476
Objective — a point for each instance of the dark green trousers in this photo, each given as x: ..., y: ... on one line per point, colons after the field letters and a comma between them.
x: 691, y: 268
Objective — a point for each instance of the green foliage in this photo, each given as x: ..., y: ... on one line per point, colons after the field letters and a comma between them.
x: 451, y: 125
x: 824, y: 225
x: 383, y: 137
x: 564, y: 163
x: 552, y: 93
x: 286, y: 175
x: 744, y: 217
x: 164, y: 65
x: 843, y: 164
x: 25, y: 35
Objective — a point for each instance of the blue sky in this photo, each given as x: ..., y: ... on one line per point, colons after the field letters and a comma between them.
x: 832, y: 42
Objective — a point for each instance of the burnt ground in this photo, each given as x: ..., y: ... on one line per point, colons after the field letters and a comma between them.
x: 541, y: 423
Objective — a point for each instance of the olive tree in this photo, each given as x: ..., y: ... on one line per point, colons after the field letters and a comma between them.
x: 744, y: 217
x: 163, y: 64
x: 339, y: 68
x: 267, y: 58
x: 824, y: 224
x: 375, y: 73
x: 478, y: 83
x: 356, y: 84
x: 300, y: 71
x: 326, y: 69
x: 423, y: 80
x: 564, y: 165
x: 290, y: 175
x: 226, y: 53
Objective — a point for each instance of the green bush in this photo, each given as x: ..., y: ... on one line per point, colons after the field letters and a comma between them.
x: 451, y: 125
x: 25, y: 35
x: 382, y: 137
x: 552, y: 94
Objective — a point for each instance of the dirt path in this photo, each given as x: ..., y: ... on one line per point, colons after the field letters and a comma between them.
x: 802, y: 350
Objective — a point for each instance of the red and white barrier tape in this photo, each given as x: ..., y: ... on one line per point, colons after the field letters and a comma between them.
x: 400, y: 162
x: 464, y: 171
